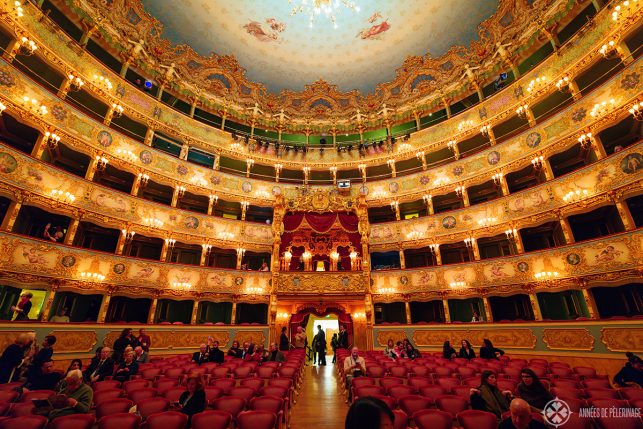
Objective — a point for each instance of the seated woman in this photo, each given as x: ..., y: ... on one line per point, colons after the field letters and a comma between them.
x: 193, y: 400
x: 389, y: 351
x: 466, y: 351
x: 252, y: 355
x: 235, y: 350
x: 487, y: 397
x: 412, y: 352
x: 127, y: 368
x: 488, y: 351
x: 447, y: 351
x: 532, y: 390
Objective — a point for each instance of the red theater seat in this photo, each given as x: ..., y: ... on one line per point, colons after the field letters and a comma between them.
x: 24, y: 422
x: 259, y: 419
x: 475, y: 419
x: 149, y: 406
x: 401, y: 420
x: 120, y: 421
x: 167, y: 420
x: 413, y: 403
x: 36, y: 394
x: 106, y: 384
x: 433, y: 419
x: 113, y: 406
x: 140, y: 394
x: 451, y: 404
x: 231, y: 404
x: 75, y: 421
x: 211, y: 419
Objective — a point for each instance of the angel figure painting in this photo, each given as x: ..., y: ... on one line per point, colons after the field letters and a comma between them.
x: 271, y: 34
x: 380, y: 26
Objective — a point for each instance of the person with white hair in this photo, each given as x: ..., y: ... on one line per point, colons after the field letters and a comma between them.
x: 74, y: 398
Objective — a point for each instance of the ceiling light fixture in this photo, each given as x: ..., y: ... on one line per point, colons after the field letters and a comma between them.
x: 315, y: 8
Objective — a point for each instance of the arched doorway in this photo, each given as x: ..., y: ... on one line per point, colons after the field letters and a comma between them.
x: 307, y: 314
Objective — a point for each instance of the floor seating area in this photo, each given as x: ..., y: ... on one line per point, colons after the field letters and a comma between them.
x: 434, y: 393
x: 239, y: 394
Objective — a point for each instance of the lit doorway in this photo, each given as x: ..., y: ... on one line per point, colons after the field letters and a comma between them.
x: 330, y: 326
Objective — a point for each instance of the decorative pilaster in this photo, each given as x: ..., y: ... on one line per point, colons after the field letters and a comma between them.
x: 589, y: 301
x: 39, y: 146
x: 402, y: 260
x: 567, y: 229
x: 71, y: 232
x: 46, y: 308
x: 195, y: 311
x: 152, y: 313
x: 487, y: 309
x: 407, y: 308
x: 535, y: 307
x: 149, y: 136
x: 11, y: 215
x: 624, y: 213
x: 102, y: 312
x: 233, y: 317
x: 447, y: 313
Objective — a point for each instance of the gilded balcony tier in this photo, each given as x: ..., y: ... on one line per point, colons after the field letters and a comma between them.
x: 576, y: 55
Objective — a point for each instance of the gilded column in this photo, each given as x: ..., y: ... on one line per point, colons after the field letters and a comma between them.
x: 152, y: 313
x: 407, y: 308
x: 491, y: 135
x: 91, y: 169
x: 164, y: 250
x: 598, y: 148
x: 438, y: 257
x: 475, y: 249
x: 591, y: 304
x: 402, y: 260
x: 149, y: 136
x: 369, y: 320
x: 549, y: 173
x: 136, y: 185
x: 447, y: 313
x: 624, y: 212
x: 39, y: 146
x: 71, y: 232
x: 64, y: 89
x: 567, y: 229
x: 465, y: 197
x: 175, y: 196
x: 12, y: 214
x: 195, y: 311
x: 504, y: 186
x: 535, y: 306
x: 233, y: 317
x: 120, y: 244
x: 574, y: 90
x: 520, y: 248
x: 102, y: 313
x: 46, y: 308
x: 487, y: 309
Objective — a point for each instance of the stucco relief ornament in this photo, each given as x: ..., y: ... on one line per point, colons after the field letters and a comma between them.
x: 6, y: 78
x: 630, y: 81
x: 579, y: 114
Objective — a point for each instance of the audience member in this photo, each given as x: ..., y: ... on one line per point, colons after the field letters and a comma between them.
x: 320, y: 346
x: 532, y: 390
x: 43, y: 379
x: 13, y: 357
x: 300, y: 338
x: 354, y: 366
x: 100, y: 367
x: 254, y: 353
x: 60, y: 316
x: 23, y: 307
x: 75, y: 364
x: 264, y: 267
x: 284, y: 342
x: 121, y: 343
x: 333, y: 345
x: 369, y: 413
x: 520, y: 417
x: 235, y: 351
x: 389, y: 350
x: 44, y: 354
x: 411, y: 352
x: 274, y: 354
x: 466, y: 351
x: 75, y: 398
x: 202, y: 355
x: 127, y: 368
x: 144, y: 340
x: 632, y: 373
x: 342, y: 338
x: 476, y: 316
x: 193, y: 400
x: 53, y: 234
x: 244, y: 351
x: 140, y: 355
x: 488, y: 351
x: 487, y: 397
x: 216, y: 354
x: 448, y: 352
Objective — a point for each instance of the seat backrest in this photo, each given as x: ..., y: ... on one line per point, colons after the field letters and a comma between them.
x: 265, y: 372
x: 596, y: 383
x: 363, y: 381
x: 220, y: 372
x: 21, y: 409
x: 223, y: 383
x: 135, y: 385
x: 173, y: 394
x: 211, y: 419
x: 631, y: 393
x: 388, y: 400
x: 232, y: 404
x: 246, y: 393
x: 432, y: 391
x: 120, y: 421
x: 242, y: 372
x: 107, y: 394
x: 412, y: 403
x: 74, y: 421
x: 167, y: 420
x: 401, y: 390
x: 418, y: 382
x: 369, y: 390
x: 585, y: 371
x: 398, y: 371
x: 433, y: 419
x: 475, y: 419
x: 163, y: 384
x: 278, y: 391
x: 451, y: 404
x: 149, y: 406
x: 565, y: 383
x: 113, y: 406
x: 602, y: 393
x: 273, y: 404
x: 375, y: 371
x: 24, y: 422
x: 106, y: 384
x: 140, y: 394
x: 388, y: 382
x: 254, y: 383
x: 401, y: 420
x: 281, y: 382
x: 257, y: 419
x: 420, y: 370
x: 212, y: 393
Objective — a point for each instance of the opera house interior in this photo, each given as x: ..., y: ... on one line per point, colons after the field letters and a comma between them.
x: 221, y: 171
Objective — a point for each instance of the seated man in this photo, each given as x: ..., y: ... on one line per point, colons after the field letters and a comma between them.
x: 140, y: 355
x: 44, y: 379
x: 201, y: 356
x: 274, y: 354
x: 631, y: 375
x: 75, y: 398
x: 216, y: 355
x: 354, y: 366
x: 127, y: 368
x: 520, y: 417
x: 100, y: 367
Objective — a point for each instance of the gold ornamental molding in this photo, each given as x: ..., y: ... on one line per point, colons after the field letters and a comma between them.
x: 568, y: 339
x: 173, y: 340
x: 514, y: 338
x: 333, y: 283
x: 622, y: 339
x: 319, y: 200
x: 394, y: 334
x: 75, y: 341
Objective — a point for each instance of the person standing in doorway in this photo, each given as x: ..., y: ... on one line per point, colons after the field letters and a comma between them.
x: 333, y: 343
x: 342, y: 340
x: 320, y: 346
x: 284, y: 343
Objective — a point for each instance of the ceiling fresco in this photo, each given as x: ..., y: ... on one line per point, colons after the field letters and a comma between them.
x: 283, y: 52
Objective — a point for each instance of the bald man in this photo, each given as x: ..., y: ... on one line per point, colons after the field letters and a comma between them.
x: 520, y: 417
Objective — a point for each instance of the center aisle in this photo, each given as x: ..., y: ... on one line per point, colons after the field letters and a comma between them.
x: 320, y: 404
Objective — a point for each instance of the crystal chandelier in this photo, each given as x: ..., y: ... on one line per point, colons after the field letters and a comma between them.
x: 315, y: 8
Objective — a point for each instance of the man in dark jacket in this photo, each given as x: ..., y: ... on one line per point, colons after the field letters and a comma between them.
x: 631, y: 374
x: 100, y: 367
x: 44, y: 354
x: 43, y: 379
x: 216, y: 355
x: 320, y: 346
x: 342, y: 338
x: 202, y: 356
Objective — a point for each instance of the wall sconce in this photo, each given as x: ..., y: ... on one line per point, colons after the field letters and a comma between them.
x: 283, y: 316
x: 620, y: 11
x: 117, y: 109
x: 287, y: 257
x: 92, y: 276
x: 386, y: 290
x: 27, y: 46
x: 143, y: 178
x: 153, y: 222
x: 546, y: 275
x: 497, y: 178
x: 244, y: 205
x: 52, y: 139
x: 240, y: 252
x: 459, y: 191
x: 103, y: 82
x: 170, y: 242
x: 254, y: 290
x: 249, y: 163
x: 536, y: 84
x: 608, y: 50
x: 414, y: 235
x: 636, y: 111
x: 487, y: 221
x: 2, y: 108
x: 563, y: 84
x: 521, y: 111
x: 455, y: 285
x: 420, y: 155
x: 63, y: 197
x: 353, y: 255
x: 34, y: 106
x: 451, y: 144
x: 427, y: 198
x: 180, y: 191
x: 362, y: 169
x: 128, y: 235
x: 484, y: 130
x: 359, y: 316
x: 441, y: 181
x: 207, y: 248
x: 16, y: 9
x: 334, y: 256
x: 395, y: 205
x: 511, y: 234
x: 75, y: 83
x: 585, y: 140
x: 390, y: 163
x: 575, y: 196
x: 182, y: 285
x: 469, y: 241
x: 603, y: 108
x: 465, y: 126
x: 404, y: 147
x: 537, y: 162
x: 101, y: 163
x: 435, y: 248
x: 126, y: 155
x: 225, y: 235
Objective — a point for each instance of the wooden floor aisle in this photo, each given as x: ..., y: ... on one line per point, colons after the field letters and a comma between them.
x: 320, y: 404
